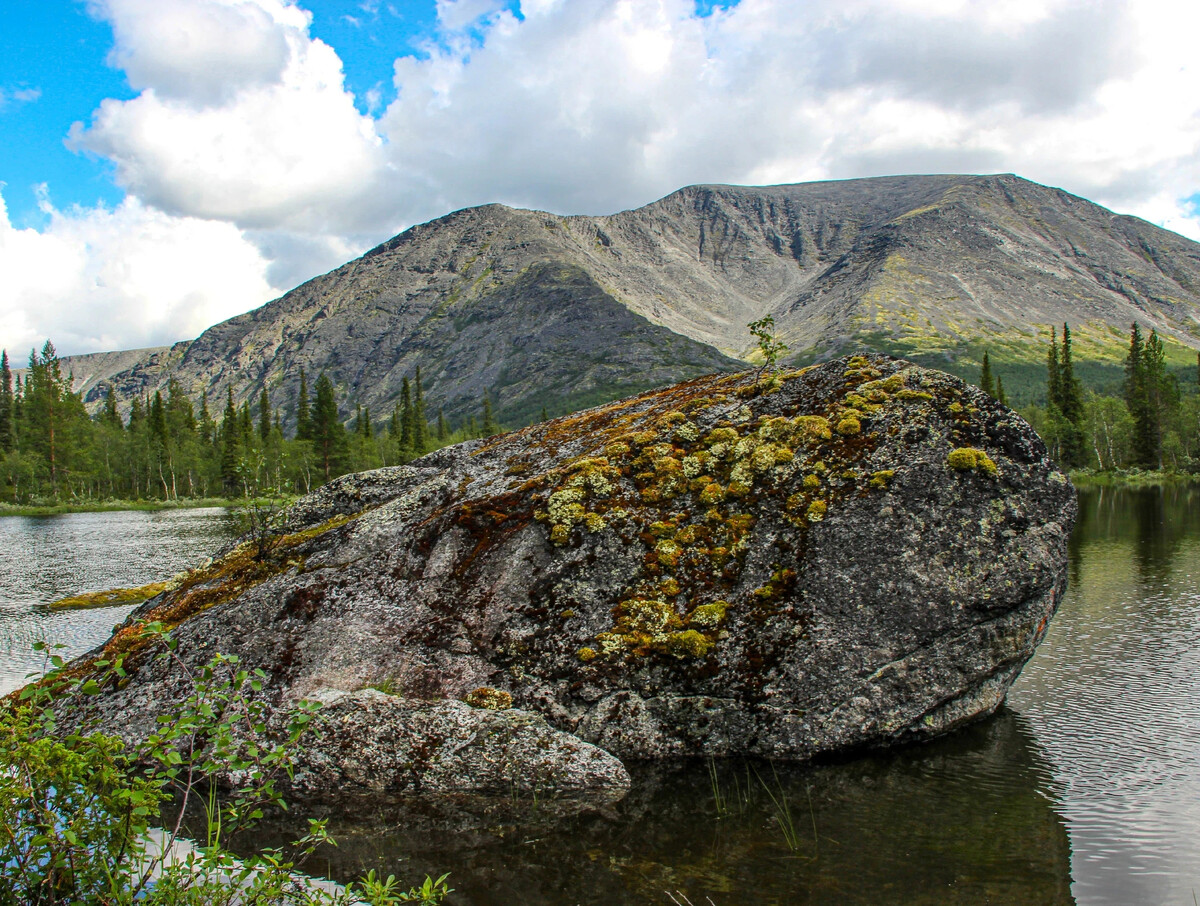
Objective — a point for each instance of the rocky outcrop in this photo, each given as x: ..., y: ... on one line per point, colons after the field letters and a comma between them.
x: 853, y: 555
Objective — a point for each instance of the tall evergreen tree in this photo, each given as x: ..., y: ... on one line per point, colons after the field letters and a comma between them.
x: 303, y: 415
x: 1000, y: 395
x: 408, y: 420
x: 420, y: 422
x: 207, y: 427
x: 1149, y: 395
x: 1053, y: 375
x: 328, y: 434
x: 264, y: 416
x: 986, y: 383
x: 109, y: 414
x: 489, y: 423
x: 231, y: 444
x: 1070, y: 391
x: 46, y: 403
x: 8, y: 431
x: 443, y: 431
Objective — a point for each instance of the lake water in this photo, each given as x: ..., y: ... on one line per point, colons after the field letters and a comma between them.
x: 1085, y: 789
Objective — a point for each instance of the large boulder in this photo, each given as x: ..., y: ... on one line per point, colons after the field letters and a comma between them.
x: 851, y: 555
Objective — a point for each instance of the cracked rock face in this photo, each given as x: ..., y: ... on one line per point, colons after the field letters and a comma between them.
x: 852, y: 555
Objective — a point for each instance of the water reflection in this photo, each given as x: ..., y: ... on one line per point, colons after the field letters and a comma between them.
x: 1113, y: 697
x: 962, y: 820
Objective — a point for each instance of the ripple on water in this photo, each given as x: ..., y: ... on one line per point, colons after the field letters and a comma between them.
x: 50, y: 557
x: 1113, y: 698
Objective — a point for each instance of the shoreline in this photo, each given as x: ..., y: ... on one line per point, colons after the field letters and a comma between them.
x: 149, y: 506
x: 1084, y: 478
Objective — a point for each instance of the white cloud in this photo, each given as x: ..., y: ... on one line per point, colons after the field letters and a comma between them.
x: 11, y: 96
x: 243, y: 122
x: 121, y: 278
x: 242, y: 117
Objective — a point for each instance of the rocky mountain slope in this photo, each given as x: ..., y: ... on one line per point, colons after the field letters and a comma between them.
x: 541, y: 310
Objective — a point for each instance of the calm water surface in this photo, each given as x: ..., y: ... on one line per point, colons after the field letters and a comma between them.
x: 1086, y: 789
x: 44, y: 558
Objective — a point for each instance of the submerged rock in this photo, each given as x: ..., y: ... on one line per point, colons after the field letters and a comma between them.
x: 851, y: 555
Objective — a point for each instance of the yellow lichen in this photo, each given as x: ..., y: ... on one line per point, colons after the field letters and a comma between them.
x: 688, y: 644
x: 817, y: 510
x: 586, y: 654
x: 881, y: 478
x: 964, y: 459
x: 491, y: 699
x: 709, y: 616
x: 849, y: 425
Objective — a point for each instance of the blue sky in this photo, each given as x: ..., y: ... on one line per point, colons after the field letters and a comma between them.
x: 200, y: 157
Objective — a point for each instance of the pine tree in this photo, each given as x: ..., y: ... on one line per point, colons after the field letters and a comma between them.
x: 546, y: 417
x: 109, y: 415
x: 303, y: 415
x: 1000, y: 395
x: 986, y: 383
x: 8, y: 431
x: 443, y: 431
x: 264, y: 416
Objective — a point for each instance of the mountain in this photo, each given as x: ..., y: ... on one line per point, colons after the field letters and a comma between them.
x: 540, y: 310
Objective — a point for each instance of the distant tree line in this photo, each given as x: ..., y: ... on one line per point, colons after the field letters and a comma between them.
x: 171, y: 447
x: 1153, y: 424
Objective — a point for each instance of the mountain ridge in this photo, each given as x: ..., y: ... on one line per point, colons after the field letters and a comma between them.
x: 916, y: 265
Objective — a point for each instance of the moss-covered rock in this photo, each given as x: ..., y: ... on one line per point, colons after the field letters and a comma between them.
x: 725, y: 566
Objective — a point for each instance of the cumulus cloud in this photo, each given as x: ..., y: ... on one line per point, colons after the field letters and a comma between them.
x: 242, y: 117
x: 121, y: 278
x: 243, y: 122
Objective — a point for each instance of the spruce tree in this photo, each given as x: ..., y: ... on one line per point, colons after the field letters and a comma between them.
x: 443, y: 432
x: 46, y: 405
x: 207, y: 427
x: 158, y: 422
x: 303, y: 415
x: 394, y: 425
x: 1143, y: 369
x: 986, y: 382
x: 489, y: 424
x: 264, y: 416
x: 109, y: 414
x: 420, y: 422
x: 1000, y: 395
x: 328, y: 434
x: 8, y: 434
x: 1052, y: 371
x: 231, y: 437
x: 1070, y: 391
x: 408, y: 421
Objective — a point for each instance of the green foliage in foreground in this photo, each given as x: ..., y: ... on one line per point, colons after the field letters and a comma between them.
x: 78, y: 807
